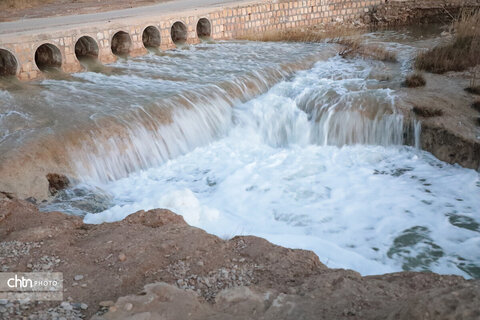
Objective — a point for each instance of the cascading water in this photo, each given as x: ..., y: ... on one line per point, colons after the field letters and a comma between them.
x: 315, y: 161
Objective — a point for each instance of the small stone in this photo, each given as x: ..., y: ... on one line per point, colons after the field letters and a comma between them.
x: 112, y: 309
x: 107, y: 303
x: 78, y: 277
x: 66, y: 306
x: 200, y: 263
x: 128, y: 306
x: 83, y: 306
x: 3, y: 301
x: 122, y: 257
x: 84, y: 285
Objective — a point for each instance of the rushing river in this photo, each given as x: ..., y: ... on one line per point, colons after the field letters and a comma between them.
x: 286, y: 141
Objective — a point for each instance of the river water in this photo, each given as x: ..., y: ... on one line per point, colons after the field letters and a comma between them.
x: 286, y: 141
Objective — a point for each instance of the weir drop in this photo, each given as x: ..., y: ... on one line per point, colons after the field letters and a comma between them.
x: 287, y: 141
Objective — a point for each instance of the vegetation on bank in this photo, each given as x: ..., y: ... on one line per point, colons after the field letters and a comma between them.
x: 414, y: 80
x: 305, y: 34
x: 461, y: 53
x: 476, y: 105
x: 354, y: 47
x: 427, y: 112
x: 473, y: 89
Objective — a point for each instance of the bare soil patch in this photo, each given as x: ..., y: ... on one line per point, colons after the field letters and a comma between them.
x: 11, y: 10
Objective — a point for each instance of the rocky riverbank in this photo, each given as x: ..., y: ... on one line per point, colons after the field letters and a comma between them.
x: 152, y: 265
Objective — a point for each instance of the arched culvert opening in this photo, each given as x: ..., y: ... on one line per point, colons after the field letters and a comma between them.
x: 8, y: 63
x: 151, y: 37
x: 48, y: 56
x: 86, y: 47
x: 204, y: 28
x: 179, y: 33
x: 121, y: 43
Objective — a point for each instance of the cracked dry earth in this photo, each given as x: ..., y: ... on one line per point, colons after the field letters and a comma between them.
x: 152, y: 265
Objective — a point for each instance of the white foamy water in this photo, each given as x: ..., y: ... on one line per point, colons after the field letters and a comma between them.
x: 237, y: 140
x: 317, y: 163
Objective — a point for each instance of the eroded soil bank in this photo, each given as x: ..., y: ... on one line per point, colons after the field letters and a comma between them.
x: 185, y: 273
x: 449, y: 121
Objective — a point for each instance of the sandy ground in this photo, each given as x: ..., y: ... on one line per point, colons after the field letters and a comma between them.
x: 46, y: 8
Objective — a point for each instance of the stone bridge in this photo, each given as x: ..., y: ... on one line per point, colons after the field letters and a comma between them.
x: 30, y: 47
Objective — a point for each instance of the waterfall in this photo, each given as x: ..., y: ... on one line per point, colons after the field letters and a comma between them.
x: 330, y: 104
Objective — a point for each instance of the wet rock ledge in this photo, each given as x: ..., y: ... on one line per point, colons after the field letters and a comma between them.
x: 152, y: 265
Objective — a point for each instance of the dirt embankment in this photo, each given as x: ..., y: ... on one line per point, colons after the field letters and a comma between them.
x: 170, y: 270
x: 450, y: 123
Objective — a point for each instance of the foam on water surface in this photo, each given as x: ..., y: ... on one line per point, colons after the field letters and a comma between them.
x: 315, y: 162
x: 351, y: 205
x: 334, y: 179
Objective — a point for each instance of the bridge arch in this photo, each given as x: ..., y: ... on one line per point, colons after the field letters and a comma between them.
x: 121, y: 43
x: 8, y: 63
x: 86, y: 47
x: 48, y: 56
x: 204, y: 28
x: 151, y: 37
x: 179, y: 33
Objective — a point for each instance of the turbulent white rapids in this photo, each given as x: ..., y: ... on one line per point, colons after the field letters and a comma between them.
x: 278, y: 173
x: 316, y: 161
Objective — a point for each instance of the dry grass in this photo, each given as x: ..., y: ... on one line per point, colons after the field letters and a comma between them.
x: 307, y: 34
x: 473, y: 90
x: 476, y: 105
x: 414, y: 80
x: 329, y: 33
x: 427, y: 112
x: 354, y: 47
x: 462, y: 53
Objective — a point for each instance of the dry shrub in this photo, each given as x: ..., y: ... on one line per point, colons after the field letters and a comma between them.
x: 427, y: 112
x: 462, y: 53
x: 414, y: 80
x: 353, y: 48
x: 476, y: 105
x: 473, y: 90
